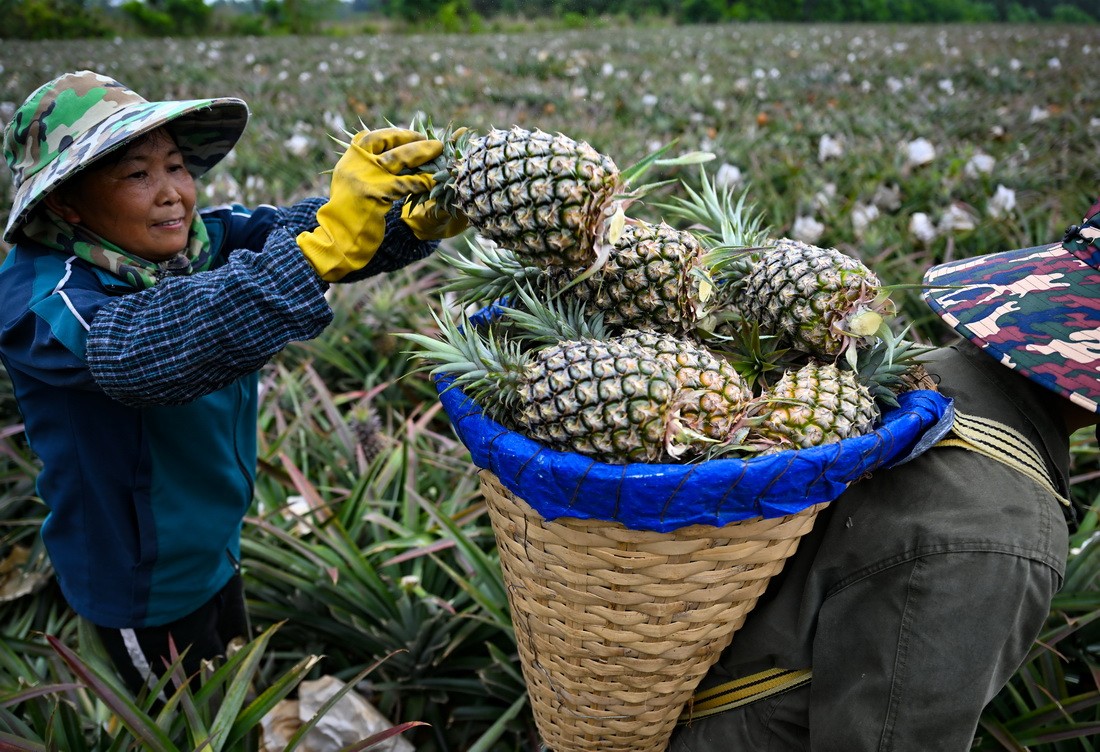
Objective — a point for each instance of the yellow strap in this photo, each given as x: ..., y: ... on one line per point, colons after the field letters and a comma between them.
x: 1004, y: 444
x: 734, y: 694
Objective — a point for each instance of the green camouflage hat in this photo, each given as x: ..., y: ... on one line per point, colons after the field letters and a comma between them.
x: 70, y: 122
x: 1036, y: 310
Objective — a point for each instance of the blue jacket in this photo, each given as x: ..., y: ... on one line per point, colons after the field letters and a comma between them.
x: 142, y: 406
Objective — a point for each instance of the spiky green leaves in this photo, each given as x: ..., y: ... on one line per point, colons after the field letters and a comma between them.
x: 602, y: 399
x: 653, y: 278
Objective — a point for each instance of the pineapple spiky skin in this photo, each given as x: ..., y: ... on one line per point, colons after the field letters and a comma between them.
x: 714, y: 396
x: 653, y: 278
x: 819, y: 403
x: 607, y: 401
x: 819, y: 300
x: 366, y: 426
x: 601, y: 399
x: 544, y: 196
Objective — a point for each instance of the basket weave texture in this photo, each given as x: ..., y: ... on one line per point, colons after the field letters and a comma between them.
x: 616, y: 627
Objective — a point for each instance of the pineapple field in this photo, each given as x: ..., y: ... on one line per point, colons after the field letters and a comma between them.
x: 710, y: 238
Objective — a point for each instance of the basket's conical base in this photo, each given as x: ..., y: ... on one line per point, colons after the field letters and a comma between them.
x: 616, y: 627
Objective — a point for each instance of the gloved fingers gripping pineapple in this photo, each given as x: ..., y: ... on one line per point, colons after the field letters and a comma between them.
x: 366, y: 182
x: 430, y: 221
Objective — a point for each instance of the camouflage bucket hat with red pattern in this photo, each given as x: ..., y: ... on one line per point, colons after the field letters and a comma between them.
x: 68, y: 123
x: 1037, y: 310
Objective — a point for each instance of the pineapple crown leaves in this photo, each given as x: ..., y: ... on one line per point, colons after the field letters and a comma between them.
x: 487, y: 367
x: 730, y: 264
x: 882, y: 366
x: 455, y: 140
x: 488, y: 273
x: 719, y: 219
x: 657, y: 158
x: 550, y: 319
x: 753, y: 355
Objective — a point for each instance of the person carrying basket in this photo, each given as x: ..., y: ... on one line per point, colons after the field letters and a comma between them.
x: 921, y: 589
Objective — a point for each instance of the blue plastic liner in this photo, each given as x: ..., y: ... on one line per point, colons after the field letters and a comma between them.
x: 664, y: 497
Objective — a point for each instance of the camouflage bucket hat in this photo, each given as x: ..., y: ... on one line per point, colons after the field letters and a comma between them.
x: 68, y: 123
x: 1037, y: 310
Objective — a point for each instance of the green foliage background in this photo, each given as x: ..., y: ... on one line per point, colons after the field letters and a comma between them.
x: 72, y: 19
x: 365, y: 541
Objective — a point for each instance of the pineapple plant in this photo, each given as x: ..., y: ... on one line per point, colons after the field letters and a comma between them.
x: 654, y: 277
x: 601, y: 399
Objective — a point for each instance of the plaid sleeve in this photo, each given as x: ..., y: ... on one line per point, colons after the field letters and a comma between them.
x: 301, y: 217
x: 190, y: 336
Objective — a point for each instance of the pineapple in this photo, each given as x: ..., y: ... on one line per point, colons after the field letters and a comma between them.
x: 821, y: 301
x: 819, y: 403
x: 713, y: 395
x: 654, y: 277
x: 547, y: 197
x: 366, y: 427
x: 822, y: 403
x: 818, y: 300
x: 555, y: 201
x: 601, y: 399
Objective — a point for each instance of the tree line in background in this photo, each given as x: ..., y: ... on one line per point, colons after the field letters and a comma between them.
x: 70, y: 19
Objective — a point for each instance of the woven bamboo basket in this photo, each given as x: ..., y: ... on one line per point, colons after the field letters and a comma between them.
x: 616, y: 627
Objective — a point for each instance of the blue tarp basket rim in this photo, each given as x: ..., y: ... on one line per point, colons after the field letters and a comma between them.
x: 663, y: 497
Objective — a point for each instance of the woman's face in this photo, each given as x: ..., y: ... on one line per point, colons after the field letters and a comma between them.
x: 142, y: 201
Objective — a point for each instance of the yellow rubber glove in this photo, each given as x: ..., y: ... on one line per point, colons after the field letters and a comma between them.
x: 429, y: 221
x: 365, y: 183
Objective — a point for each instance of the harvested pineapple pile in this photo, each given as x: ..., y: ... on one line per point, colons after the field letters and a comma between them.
x: 624, y: 343
x: 628, y: 341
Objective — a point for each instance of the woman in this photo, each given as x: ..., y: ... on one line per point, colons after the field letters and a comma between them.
x: 133, y: 327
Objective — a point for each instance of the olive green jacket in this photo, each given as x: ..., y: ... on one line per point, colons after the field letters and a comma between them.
x: 916, y: 596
